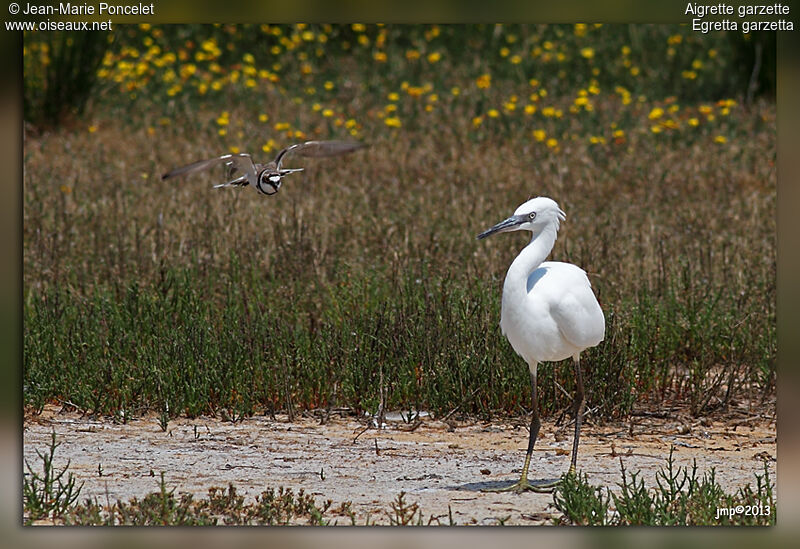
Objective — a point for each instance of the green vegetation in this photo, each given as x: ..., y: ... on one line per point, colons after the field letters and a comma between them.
x: 680, y: 499
x: 362, y: 278
x: 48, y: 494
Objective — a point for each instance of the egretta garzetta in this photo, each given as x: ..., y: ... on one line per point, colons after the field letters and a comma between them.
x: 265, y: 178
x: 549, y: 312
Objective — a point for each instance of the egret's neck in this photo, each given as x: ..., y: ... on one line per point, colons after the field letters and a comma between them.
x: 529, y: 260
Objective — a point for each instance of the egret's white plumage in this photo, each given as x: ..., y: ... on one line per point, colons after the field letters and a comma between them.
x: 549, y: 311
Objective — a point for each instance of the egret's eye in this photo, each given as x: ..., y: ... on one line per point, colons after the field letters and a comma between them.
x: 532, y: 215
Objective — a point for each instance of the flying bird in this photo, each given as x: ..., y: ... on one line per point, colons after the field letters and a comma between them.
x: 265, y: 178
x: 548, y: 312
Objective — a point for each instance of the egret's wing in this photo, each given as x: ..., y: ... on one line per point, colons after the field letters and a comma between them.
x: 240, y: 168
x: 577, y: 313
x: 319, y: 149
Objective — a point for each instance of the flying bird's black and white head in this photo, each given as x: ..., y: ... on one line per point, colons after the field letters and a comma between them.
x: 270, y: 179
x: 265, y: 178
x: 534, y: 216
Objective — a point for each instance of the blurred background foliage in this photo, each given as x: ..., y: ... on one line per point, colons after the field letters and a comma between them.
x: 361, y: 284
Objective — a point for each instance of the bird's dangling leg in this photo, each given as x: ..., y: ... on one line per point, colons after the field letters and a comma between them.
x: 523, y: 484
x: 578, y: 407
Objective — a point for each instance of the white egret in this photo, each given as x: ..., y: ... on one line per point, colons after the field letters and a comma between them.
x: 265, y: 178
x: 549, y: 312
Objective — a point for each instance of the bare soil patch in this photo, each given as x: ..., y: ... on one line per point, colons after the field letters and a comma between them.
x: 439, y: 465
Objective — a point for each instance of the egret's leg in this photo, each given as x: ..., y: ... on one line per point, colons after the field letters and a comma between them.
x: 578, y: 408
x: 523, y: 483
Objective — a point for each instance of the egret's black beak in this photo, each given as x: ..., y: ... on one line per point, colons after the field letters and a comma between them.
x: 503, y: 226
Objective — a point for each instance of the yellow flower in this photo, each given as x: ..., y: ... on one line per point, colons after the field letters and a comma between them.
x: 689, y: 75
x: 235, y: 150
x: 552, y: 143
x: 393, y: 122
x: 412, y: 55
x: 484, y: 81
x: 539, y: 135
x: 720, y: 139
x: 316, y: 107
x: 656, y: 113
x: 455, y: 91
x: 327, y: 113
x: 530, y: 109
x: 434, y: 57
x: 509, y: 106
x: 618, y: 134
x: 504, y: 52
x: 477, y: 121
x: 493, y: 113
x: 263, y: 117
x: 222, y: 131
x: 712, y: 53
x: 697, y: 64
x: 656, y: 129
x: 580, y: 29
x: 328, y: 85
x: 516, y: 59
x: 588, y: 53
x: 670, y: 124
x: 391, y: 107
x: 533, y: 82
x: 92, y: 129
x: 379, y: 56
x: 248, y: 58
x: 358, y: 27
x: 626, y: 50
x: 634, y: 71
x: 693, y: 122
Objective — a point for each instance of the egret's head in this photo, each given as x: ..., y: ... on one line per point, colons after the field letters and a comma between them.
x: 534, y: 215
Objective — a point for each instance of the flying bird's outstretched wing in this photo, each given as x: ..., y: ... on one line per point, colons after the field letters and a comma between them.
x: 316, y: 149
x: 241, y: 170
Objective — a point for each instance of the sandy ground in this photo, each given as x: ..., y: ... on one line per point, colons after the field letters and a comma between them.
x: 437, y: 464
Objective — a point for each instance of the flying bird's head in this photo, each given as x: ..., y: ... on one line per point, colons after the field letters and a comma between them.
x: 270, y: 179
